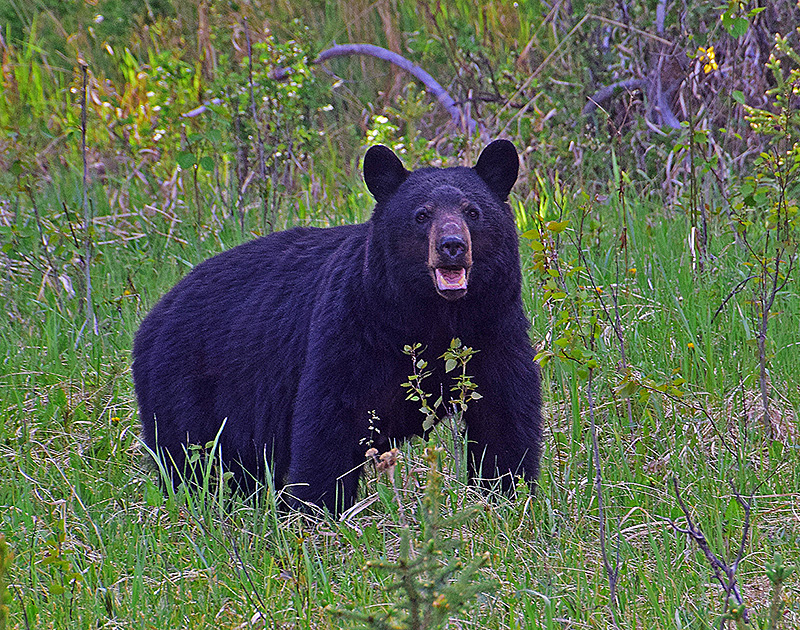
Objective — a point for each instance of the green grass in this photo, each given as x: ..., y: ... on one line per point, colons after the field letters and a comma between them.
x: 97, y: 544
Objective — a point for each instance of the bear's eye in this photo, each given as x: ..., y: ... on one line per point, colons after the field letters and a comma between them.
x: 421, y: 215
x: 472, y: 212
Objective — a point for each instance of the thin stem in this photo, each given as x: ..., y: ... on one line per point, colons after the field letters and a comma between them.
x: 612, y: 573
x: 262, y: 171
x: 91, y: 319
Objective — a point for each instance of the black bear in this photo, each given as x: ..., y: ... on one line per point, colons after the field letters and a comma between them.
x: 294, y: 338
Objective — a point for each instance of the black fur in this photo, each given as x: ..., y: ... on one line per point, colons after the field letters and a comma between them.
x: 296, y: 337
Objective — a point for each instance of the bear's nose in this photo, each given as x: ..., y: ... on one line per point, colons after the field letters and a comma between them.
x: 452, y: 246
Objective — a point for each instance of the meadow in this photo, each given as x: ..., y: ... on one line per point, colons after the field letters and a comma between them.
x: 660, y: 278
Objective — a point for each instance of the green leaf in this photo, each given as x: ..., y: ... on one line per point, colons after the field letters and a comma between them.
x: 186, y: 159
x: 531, y: 234
x: 207, y: 163
x: 450, y: 365
x: 557, y: 226
x: 738, y: 96
x: 739, y: 27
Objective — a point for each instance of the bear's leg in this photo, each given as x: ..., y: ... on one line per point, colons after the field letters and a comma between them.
x: 325, y: 466
x: 504, y: 427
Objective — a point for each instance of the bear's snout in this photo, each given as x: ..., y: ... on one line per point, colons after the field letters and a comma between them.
x: 452, y: 247
x: 449, y: 255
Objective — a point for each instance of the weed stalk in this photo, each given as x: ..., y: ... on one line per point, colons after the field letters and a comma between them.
x: 269, y: 220
x: 91, y: 319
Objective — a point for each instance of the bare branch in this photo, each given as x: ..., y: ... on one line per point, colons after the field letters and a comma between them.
x: 735, y: 290
x: 605, y: 93
x: 461, y: 119
x: 661, y: 14
x: 202, y: 109
x: 725, y: 574
x: 254, y: 111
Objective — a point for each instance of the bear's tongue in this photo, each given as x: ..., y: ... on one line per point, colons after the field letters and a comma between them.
x: 450, y: 279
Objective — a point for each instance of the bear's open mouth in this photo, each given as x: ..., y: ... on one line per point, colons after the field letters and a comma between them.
x: 451, y: 279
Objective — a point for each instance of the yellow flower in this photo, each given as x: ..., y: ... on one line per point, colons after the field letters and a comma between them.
x: 691, y: 346
x: 708, y: 58
x: 632, y: 271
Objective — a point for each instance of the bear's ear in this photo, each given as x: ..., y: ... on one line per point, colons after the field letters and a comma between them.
x: 383, y: 172
x: 498, y: 166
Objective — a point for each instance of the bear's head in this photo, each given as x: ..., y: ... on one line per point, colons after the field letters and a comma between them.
x: 451, y: 226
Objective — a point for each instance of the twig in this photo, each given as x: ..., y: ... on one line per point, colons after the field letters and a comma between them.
x: 733, y: 292
x: 536, y: 72
x: 45, y: 242
x: 612, y: 573
x: 21, y: 606
x: 262, y: 172
x: 91, y: 319
x: 766, y: 300
x: 638, y: 31
x: 725, y: 574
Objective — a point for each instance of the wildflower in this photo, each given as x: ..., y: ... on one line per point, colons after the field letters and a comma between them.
x: 708, y: 58
x: 441, y: 602
x: 690, y: 346
x: 632, y: 271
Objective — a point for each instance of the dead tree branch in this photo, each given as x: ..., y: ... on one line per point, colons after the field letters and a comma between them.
x: 663, y: 80
x: 724, y: 574
x: 91, y: 318
x: 461, y: 119
x: 605, y: 93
